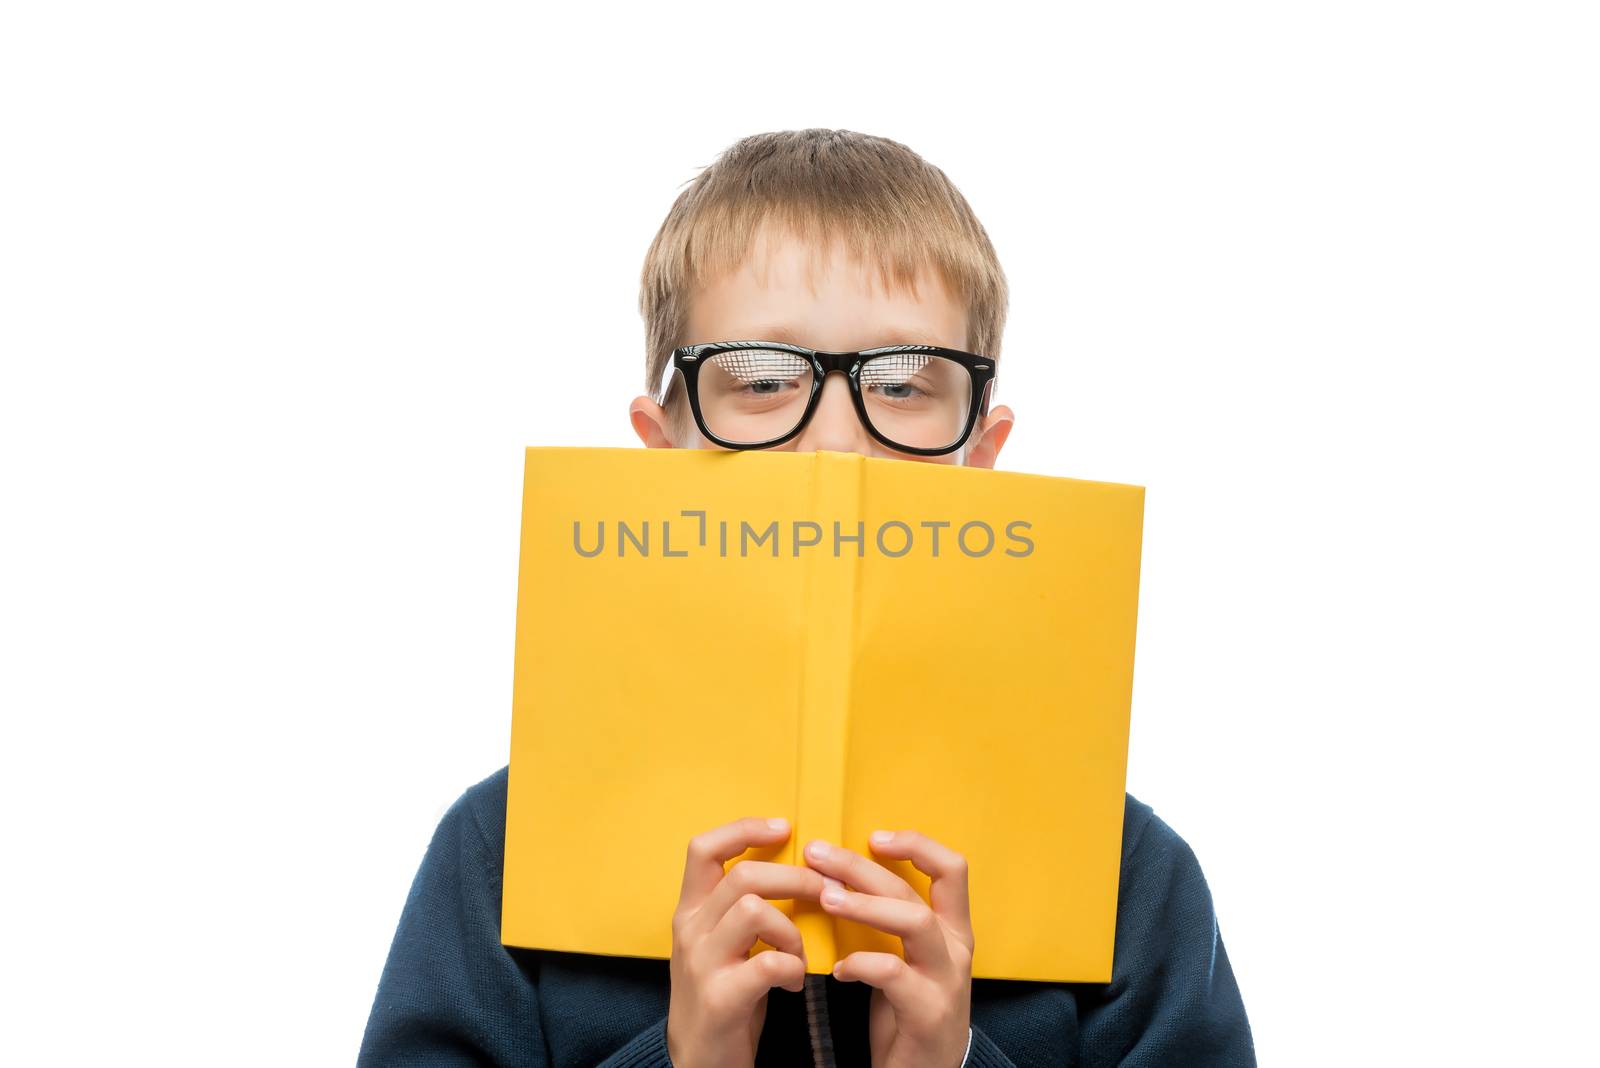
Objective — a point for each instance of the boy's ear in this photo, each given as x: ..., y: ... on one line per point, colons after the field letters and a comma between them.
x: 651, y: 422
x: 996, y: 427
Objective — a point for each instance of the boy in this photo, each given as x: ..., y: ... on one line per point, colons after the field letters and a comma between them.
x: 838, y: 242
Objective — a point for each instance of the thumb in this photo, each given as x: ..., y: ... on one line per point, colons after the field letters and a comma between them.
x: 758, y: 1019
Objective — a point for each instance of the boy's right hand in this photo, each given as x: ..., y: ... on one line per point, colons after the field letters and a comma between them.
x: 719, y: 991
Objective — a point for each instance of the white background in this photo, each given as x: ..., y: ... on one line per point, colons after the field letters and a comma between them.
x: 283, y: 288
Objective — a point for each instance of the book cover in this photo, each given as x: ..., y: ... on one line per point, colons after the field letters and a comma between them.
x: 852, y: 643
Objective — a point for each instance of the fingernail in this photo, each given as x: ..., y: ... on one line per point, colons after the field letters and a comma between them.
x: 817, y: 850
x: 778, y: 824
x: 882, y: 837
x: 833, y: 896
x: 830, y: 883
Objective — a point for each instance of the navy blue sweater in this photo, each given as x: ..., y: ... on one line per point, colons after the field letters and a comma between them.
x: 451, y: 994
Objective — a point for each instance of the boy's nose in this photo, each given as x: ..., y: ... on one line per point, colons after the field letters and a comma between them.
x: 835, y: 425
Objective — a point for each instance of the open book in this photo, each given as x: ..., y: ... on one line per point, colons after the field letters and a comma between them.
x: 848, y: 642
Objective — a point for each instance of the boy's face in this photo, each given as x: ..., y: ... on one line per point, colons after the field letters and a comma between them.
x: 842, y: 308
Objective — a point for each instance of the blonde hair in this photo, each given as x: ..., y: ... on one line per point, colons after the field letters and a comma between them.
x: 890, y: 208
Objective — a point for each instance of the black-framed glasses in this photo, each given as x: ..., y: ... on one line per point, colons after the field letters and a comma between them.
x: 919, y: 399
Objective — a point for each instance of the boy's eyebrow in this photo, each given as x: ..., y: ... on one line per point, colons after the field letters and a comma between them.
x: 893, y: 336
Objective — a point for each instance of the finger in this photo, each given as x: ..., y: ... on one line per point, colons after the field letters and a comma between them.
x: 710, y: 850
x: 763, y: 878
x: 920, y: 929
x: 749, y: 918
x: 762, y: 972
x: 853, y: 869
x: 947, y: 868
x: 898, y: 980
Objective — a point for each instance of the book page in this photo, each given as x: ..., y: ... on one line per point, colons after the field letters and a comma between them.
x: 990, y: 698
x: 656, y: 682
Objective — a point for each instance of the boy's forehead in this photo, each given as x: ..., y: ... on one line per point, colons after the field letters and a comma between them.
x: 780, y: 257
x: 788, y: 284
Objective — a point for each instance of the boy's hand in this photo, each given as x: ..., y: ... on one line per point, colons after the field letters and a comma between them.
x: 921, y: 1004
x: 719, y: 991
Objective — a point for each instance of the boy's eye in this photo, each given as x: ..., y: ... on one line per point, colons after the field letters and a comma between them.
x: 908, y: 376
x: 756, y: 372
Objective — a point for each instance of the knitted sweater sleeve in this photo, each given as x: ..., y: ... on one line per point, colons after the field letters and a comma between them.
x: 450, y: 994
x: 1172, y: 998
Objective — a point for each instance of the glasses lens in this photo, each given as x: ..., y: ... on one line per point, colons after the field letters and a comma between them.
x: 754, y: 395
x: 917, y: 400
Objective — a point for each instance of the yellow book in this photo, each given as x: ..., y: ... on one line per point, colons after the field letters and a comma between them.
x: 852, y: 643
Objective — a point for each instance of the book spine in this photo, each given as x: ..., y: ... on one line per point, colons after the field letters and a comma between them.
x: 833, y: 566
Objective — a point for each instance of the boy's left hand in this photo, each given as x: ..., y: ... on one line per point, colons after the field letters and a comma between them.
x: 922, y: 1003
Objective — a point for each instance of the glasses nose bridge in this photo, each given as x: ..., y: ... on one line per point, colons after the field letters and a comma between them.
x: 846, y: 363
